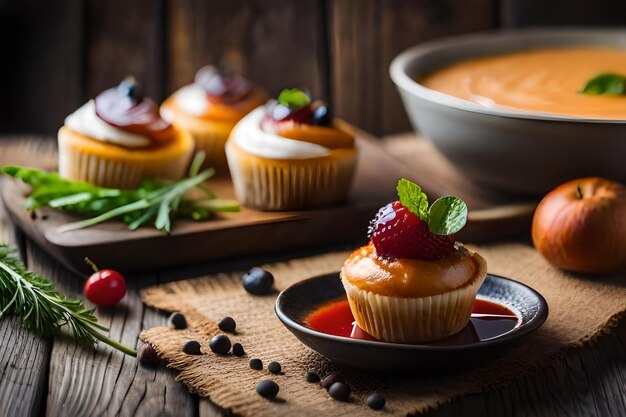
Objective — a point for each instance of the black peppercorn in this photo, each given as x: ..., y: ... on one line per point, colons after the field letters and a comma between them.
x: 256, y: 364
x: 220, y: 344
x: 227, y: 324
x: 340, y: 391
x: 311, y: 376
x: 148, y: 355
x: 192, y: 347
x: 331, y: 378
x: 238, y: 349
x: 177, y: 321
x: 267, y: 389
x: 376, y: 401
x: 258, y: 281
x: 274, y: 367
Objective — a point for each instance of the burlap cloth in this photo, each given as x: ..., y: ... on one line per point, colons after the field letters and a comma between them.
x: 580, y: 309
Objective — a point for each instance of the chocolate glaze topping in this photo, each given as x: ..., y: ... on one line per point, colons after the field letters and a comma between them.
x: 124, y: 108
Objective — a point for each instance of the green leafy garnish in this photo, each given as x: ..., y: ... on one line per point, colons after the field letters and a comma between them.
x: 44, y: 311
x: 155, y: 201
x: 447, y: 215
x: 412, y: 197
x: 294, y: 98
x: 607, y: 83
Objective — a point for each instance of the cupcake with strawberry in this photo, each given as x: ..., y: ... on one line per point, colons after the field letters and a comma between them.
x: 291, y: 154
x: 413, y: 282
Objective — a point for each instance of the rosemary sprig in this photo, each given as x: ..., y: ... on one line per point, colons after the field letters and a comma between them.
x: 44, y: 311
x: 155, y: 201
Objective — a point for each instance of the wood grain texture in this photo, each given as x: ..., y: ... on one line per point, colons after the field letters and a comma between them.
x: 520, y: 13
x: 364, y: 37
x: 125, y: 38
x: 106, y: 382
x: 590, y: 381
x: 276, y: 42
x: 23, y: 356
x: 42, y: 56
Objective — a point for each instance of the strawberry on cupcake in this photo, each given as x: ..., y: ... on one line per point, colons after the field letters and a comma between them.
x: 413, y: 282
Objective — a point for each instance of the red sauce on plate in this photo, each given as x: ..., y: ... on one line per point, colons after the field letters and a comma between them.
x: 488, y: 320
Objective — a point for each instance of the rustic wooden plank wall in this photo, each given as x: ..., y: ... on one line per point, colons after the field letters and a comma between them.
x: 58, y: 54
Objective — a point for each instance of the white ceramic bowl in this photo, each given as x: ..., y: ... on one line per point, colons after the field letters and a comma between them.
x: 517, y: 151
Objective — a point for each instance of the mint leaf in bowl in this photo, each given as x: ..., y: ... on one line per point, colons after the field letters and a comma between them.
x: 605, y: 84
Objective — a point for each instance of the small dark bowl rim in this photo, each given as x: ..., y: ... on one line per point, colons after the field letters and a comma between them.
x: 525, y: 328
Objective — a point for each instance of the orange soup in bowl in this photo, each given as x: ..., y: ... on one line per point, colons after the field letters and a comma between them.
x: 540, y: 80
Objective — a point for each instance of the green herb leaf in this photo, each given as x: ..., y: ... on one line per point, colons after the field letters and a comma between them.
x: 44, y: 311
x: 155, y: 201
x: 606, y: 83
x: 447, y: 215
x: 412, y: 197
x: 294, y: 98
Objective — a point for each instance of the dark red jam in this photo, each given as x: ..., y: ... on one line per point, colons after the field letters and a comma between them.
x: 489, y: 320
x: 125, y: 109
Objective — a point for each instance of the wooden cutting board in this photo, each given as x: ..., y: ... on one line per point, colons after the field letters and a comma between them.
x: 249, y: 232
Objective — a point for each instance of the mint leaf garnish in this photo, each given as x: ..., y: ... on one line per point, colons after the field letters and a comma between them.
x: 294, y: 98
x: 607, y: 83
x: 447, y: 215
x: 412, y: 197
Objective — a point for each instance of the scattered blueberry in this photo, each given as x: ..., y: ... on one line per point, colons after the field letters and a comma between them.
x: 192, y: 347
x: 227, y: 324
x: 321, y: 115
x: 340, y: 391
x: 238, y: 350
x: 267, y: 389
x: 311, y: 376
x: 258, y: 281
x: 148, y: 355
x: 220, y: 344
x: 376, y: 401
x: 331, y: 378
x: 177, y: 321
x: 274, y: 367
x: 256, y: 364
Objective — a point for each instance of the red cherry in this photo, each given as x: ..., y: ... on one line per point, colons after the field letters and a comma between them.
x: 104, y: 288
x: 396, y: 232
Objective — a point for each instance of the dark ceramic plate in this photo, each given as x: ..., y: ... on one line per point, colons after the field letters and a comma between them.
x: 294, y: 304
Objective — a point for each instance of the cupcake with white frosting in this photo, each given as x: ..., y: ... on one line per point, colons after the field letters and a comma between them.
x: 119, y: 138
x: 210, y: 107
x: 290, y: 154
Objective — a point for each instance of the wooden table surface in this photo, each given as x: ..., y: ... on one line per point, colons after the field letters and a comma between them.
x: 54, y: 377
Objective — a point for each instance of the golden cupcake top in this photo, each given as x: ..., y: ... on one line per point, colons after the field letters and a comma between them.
x: 404, y: 277
x: 412, y: 250
x: 123, y: 117
x: 217, y: 94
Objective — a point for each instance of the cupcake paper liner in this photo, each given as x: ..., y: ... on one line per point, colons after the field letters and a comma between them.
x: 290, y: 184
x: 108, y: 165
x: 414, y: 320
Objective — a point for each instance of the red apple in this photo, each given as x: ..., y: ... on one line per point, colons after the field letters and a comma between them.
x: 581, y: 226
